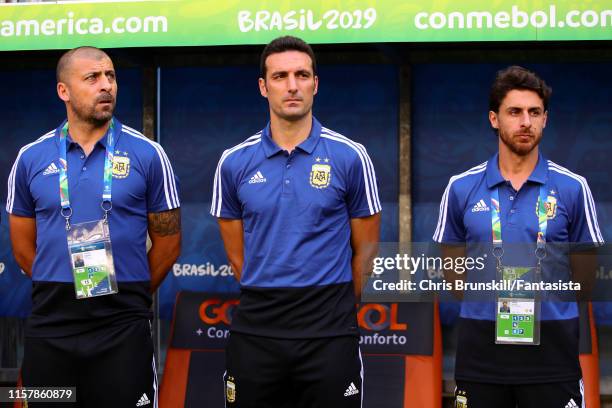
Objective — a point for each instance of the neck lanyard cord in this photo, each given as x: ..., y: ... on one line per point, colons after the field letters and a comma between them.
x: 107, y: 205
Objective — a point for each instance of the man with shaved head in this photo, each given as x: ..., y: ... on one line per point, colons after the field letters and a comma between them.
x: 81, y: 106
x: 81, y: 200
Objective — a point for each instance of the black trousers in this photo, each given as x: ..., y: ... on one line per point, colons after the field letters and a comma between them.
x: 264, y: 372
x: 547, y: 395
x: 110, y: 367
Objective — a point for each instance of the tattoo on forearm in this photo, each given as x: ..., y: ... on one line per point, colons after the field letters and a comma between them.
x: 166, y: 222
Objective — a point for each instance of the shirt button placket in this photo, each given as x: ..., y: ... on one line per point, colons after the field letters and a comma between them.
x: 512, y: 198
x: 286, y: 175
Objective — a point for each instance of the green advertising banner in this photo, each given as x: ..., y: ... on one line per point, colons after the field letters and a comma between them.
x: 144, y: 23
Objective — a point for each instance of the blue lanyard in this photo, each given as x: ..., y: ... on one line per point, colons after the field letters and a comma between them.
x: 496, y: 230
x: 106, y: 204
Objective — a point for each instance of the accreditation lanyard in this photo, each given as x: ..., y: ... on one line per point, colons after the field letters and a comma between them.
x: 517, y: 320
x: 498, y: 250
x: 106, y: 203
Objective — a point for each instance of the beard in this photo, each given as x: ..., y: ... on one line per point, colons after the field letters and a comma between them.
x: 516, y: 146
x: 94, y: 113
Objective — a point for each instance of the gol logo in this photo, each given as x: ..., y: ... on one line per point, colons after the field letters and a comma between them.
x: 377, y: 317
x: 215, y: 311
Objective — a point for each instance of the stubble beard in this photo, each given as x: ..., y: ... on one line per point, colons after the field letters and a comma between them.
x: 520, y: 149
x: 91, y: 115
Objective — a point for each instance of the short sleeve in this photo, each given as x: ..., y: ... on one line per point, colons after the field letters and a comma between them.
x: 225, y: 202
x: 162, y: 184
x: 19, y: 201
x: 450, y: 228
x: 362, y: 191
x: 584, y: 228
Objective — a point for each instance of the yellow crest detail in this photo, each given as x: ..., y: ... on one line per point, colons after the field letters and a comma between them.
x: 320, y: 175
x: 461, y: 402
x: 121, y: 167
x: 551, y: 207
x: 230, y: 391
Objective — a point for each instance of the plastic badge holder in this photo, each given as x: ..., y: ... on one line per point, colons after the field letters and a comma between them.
x: 517, y: 314
x: 91, y: 258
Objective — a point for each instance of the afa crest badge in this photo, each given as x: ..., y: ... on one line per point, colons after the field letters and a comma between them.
x: 320, y: 175
x: 121, y: 167
x: 551, y: 207
x: 461, y: 400
x: 230, y: 390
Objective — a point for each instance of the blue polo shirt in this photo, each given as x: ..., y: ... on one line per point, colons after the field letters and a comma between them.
x: 296, y: 210
x: 143, y: 183
x: 465, y: 218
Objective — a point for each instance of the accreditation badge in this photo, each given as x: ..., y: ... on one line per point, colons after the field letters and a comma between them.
x: 517, y: 310
x: 91, y: 258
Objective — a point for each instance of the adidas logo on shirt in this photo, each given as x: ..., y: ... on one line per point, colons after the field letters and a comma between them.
x: 144, y: 400
x: 480, y: 206
x: 52, y: 169
x: 257, y: 178
x: 571, y: 404
x: 351, y: 390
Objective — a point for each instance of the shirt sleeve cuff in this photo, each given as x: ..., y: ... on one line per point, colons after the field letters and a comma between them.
x: 228, y: 214
x: 20, y: 212
x: 160, y: 208
x: 361, y: 213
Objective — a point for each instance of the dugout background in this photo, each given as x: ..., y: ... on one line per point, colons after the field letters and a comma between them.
x: 420, y: 111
